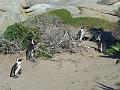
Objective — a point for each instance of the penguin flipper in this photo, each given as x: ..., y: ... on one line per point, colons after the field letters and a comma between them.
x: 12, y: 73
x: 20, y: 71
x: 15, y: 77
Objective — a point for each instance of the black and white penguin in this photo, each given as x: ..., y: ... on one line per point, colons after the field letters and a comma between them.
x: 81, y: 34
x: 30, y: 50
x: 16, y: 69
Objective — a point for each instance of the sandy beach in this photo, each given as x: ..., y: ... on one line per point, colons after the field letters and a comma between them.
x: 64, y: 72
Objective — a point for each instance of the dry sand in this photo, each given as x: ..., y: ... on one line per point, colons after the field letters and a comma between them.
x: 65, y: 72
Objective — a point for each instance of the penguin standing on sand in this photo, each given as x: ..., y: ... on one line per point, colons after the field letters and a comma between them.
x: 16, y: 69
x: 101, y: 42
x: 81, y: 34
x: 30, y: 50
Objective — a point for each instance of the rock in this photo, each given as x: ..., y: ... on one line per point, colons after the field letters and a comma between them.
x: 12, y: 11
x: 99, y: 11
x: 117, y: 4
x: 107, y: 2
x: 72, y: 82
x: 44, y: 1
x: 25, y: 3
x: 39, y: 8
x: 9, y: 16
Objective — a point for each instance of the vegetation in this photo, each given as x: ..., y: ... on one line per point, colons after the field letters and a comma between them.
x: 115, y: 49
x: 89, y: 22
x: 42, y: 51
x: 20, y: 34
x: 35, y: 26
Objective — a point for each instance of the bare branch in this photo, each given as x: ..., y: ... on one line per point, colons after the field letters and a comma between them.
x: 12, y: 44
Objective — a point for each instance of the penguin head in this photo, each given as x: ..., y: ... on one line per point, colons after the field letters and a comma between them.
x: 18, y: 61
x: 82, y: 27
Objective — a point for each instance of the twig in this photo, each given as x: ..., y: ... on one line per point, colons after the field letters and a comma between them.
x: 12, y: 44
x: 42, y: 50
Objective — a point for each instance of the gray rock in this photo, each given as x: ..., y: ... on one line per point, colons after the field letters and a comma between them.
x: 25, y: 3
x: 117, y: 5
x: 12, y: 11
x: 39, y: 9
x: 28, y: 3
x: 9, y: 15
x: 107, y: 2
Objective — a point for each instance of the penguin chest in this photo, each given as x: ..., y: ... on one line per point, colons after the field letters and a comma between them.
x: 18, y: 69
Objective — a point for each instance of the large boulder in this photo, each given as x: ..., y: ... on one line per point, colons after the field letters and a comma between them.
x: 28, y: 3
x: 9, y: 15
x: 39, y: 9
x: 12, y: 11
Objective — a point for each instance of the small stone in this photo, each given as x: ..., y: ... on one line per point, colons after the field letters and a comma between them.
x: 72, y: 82
x: 76, y: 70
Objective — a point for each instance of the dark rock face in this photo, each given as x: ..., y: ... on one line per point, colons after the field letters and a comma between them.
x: 106, y: 36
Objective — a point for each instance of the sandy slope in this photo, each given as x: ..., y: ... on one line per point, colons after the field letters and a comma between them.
x: 66, y: 72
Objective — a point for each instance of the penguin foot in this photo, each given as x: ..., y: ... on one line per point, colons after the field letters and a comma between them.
x: 15, y: 77
x: 118, y: 61
x: 27, y: 58
x: 11, y: 76
x: 32, y: 60
x: 20, y: 72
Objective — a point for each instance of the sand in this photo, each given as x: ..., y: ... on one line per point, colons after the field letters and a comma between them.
x: 64, y: 72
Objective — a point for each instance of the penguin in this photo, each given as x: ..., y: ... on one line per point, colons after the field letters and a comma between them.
x: 16, y: 68
x: 30, y: 50
x: 118, y: 61
x: 81, y: 33
x: 101, y: 42
x: 85, y: 38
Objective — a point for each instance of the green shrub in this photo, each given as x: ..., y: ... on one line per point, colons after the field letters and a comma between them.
x: 115, y: 49
x: 42, y: 51
x: 89, y: 22
x: 19, y: 34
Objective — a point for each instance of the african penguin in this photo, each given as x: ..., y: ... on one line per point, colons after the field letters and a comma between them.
x: 80, y: 34
x: 16, y: 69
x: 30, y: 50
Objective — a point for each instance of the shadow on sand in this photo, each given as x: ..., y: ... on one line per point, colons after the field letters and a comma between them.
x: 104, y: 87
x: 115, y: 56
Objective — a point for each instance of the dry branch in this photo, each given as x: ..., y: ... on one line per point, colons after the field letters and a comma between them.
x: 12, y: 44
